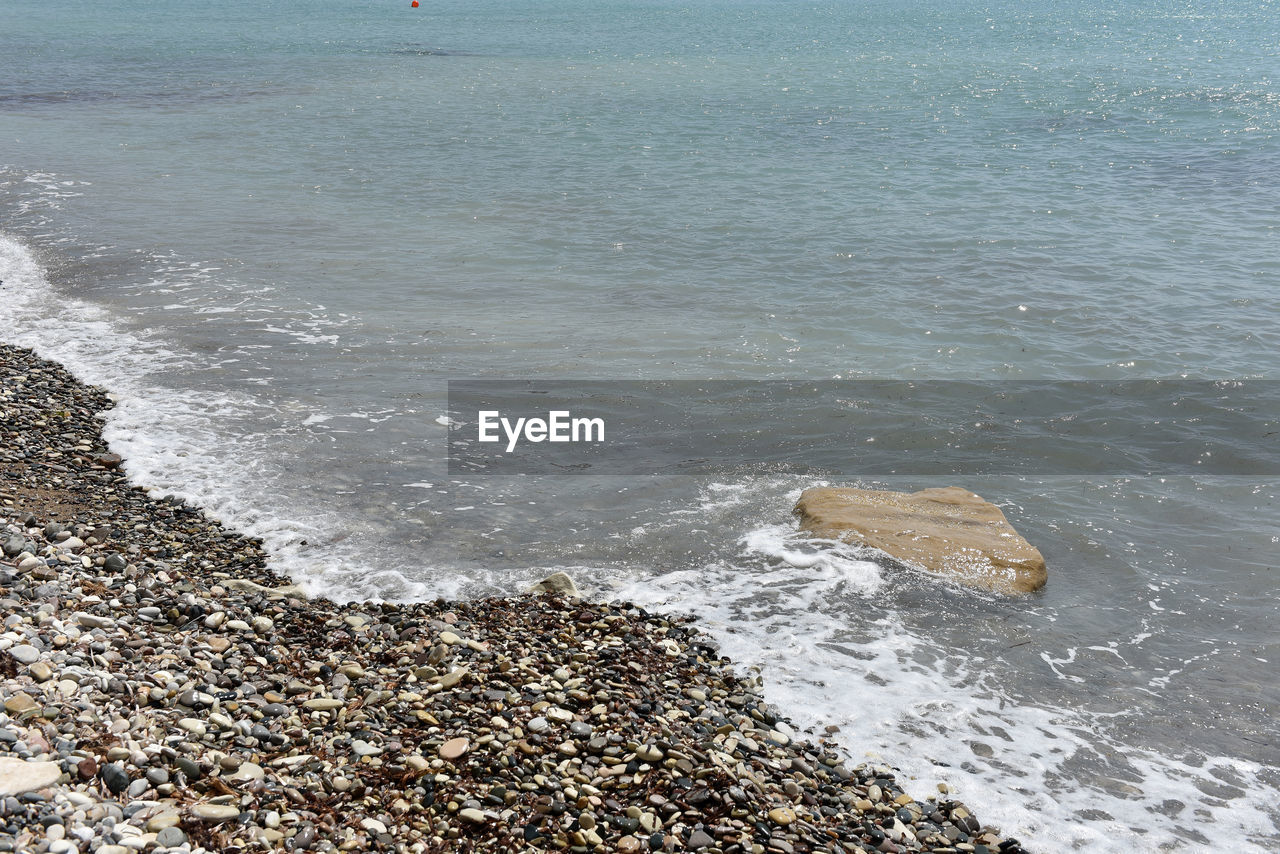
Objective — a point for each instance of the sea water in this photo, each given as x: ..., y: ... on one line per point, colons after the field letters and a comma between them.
x: 275, y: 231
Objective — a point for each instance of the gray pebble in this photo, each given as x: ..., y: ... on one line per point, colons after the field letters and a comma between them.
x: 170, y: 837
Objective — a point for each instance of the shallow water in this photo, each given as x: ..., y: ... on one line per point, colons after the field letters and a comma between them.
x: 276, y: 233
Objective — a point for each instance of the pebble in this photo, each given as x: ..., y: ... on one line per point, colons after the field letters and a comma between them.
x: 649, y: 753
x: 782, y: 816
x: 363, y: 748
x: 324, y: 704
x: 193, y: 726
x: 170, y: 837
x: 25, y: 653
x: 115, y: 777
x: 454, y: 748
x: 559, y: 715
x: 700, y: 839
x: 214, y: 812
x: 18, y: 777
x: 93, y: 621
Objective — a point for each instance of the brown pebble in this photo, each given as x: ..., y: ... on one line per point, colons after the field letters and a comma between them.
x: 454, y: 747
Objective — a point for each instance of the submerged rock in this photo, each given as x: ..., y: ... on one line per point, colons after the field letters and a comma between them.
x: 949, y: 531
x: 559, y: 583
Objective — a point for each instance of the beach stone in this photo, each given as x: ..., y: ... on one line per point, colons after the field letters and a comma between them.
x: 41, y: 671
x: 948, y: 531
x: 363, y: 748
x: 559, y: 583
x: 649, y: 753
x: 452, y: 678
x: 782, y: 816
x: 454, y: 747
x: 115, y: 777
x: 193, y: 726
x: 93, y: 621
x: 214, y: 812
x: 115, y: 563
x: 472, y: 815
x: 25, y: 653
x: 324, y: 704
x: 700, y: 839
x: 17, y: 776
x: 108, y: 461
x: 246, y: 773
x: 19, y: 703
x: 170, y: 837
x: 287, y: 591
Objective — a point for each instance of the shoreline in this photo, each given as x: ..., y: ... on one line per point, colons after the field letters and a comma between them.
x: 189, y: 699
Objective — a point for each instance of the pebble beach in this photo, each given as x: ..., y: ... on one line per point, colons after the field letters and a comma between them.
x: 163, y: 690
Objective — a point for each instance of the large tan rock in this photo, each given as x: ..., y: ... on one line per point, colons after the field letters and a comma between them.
x: 17, y: 777
x: 949, y: 531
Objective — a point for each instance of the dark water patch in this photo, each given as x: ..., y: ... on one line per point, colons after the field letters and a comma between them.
x: 26, y: 101
x: 418, y: 50
x: 50, y: 99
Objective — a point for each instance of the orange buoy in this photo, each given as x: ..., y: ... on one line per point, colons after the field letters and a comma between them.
x: 414, y: 4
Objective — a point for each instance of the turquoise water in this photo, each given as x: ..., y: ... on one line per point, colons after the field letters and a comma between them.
x: 275, y: 230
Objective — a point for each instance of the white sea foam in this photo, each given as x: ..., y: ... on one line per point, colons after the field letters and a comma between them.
x: 174, y: 442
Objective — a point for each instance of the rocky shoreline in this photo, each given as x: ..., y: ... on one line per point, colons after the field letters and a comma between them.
x: 164, y: 691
